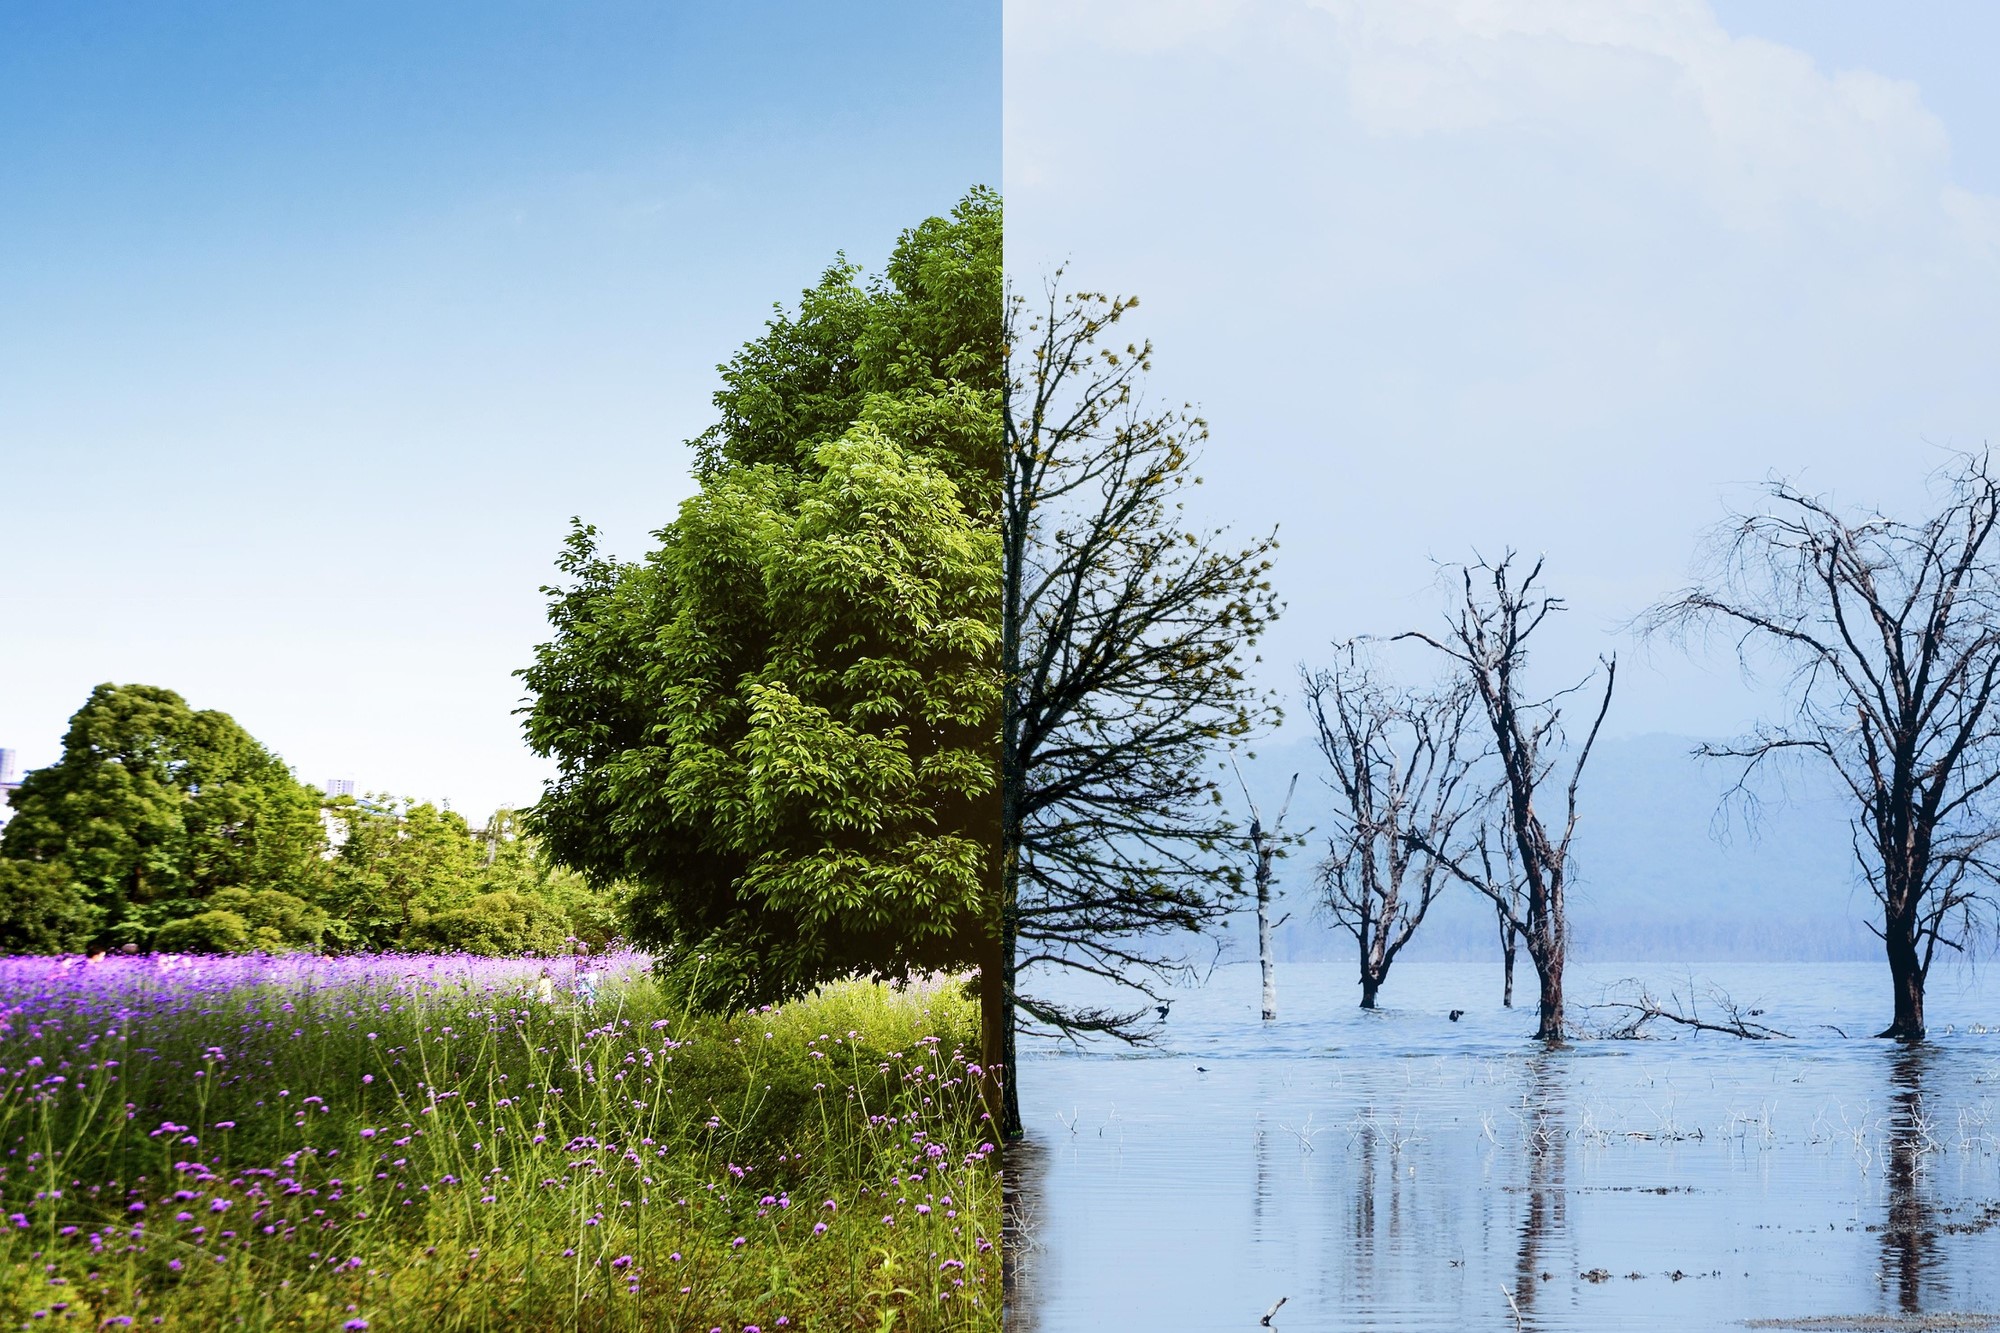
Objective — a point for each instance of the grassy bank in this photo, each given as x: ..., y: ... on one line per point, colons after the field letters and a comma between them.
x: 399, y: 1143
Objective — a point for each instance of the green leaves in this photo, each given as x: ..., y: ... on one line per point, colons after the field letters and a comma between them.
x: 153, y: 807
x: 43, y: 909
x: 781, y: 725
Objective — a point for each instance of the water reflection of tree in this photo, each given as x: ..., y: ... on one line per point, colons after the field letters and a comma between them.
x: 1381, y: 1209
x: 1910, y: 1231
x: 1025, y: 1167
x: 1546, y: 1133
x: 1364, y: 1203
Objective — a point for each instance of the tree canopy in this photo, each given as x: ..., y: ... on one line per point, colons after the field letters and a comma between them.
x: 780, y: 726
x: 154, y: 806
x: 1125, y: 635
x: 1890, y: 628
x: 169, y: 829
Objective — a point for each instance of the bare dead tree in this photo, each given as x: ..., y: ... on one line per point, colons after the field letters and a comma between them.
x: 1890, y: 629
x: 1123, y: 633
x: 1402, y: 768
x: 1487, y: 636
x: 1266, y: 845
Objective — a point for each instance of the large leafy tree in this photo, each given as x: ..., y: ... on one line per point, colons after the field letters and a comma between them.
x: 781, y: 726
x: 154, y: 807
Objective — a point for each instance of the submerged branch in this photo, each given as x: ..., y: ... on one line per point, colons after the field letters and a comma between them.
x: 1645, y: 1009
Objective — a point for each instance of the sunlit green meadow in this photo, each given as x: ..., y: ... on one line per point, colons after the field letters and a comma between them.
x: 395, y: 1143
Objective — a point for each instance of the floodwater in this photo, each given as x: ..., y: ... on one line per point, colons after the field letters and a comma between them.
x: 1398, y: 1170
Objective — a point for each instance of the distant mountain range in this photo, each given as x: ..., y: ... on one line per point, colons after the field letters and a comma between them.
x: 1663, y: 870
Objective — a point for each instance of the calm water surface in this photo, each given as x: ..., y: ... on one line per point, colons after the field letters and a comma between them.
x: 1396, y: 1170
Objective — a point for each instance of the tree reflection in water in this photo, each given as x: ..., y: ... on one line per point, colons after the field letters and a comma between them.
x: 1546, y: 1144
x: 1024, y: 1164
x: 1910, y: 1231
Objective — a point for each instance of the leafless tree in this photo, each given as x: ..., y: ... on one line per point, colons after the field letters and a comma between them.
x: 1266, y: 846
x: 1890, y: 630
x: 1123, y: 634
x: 1402, y: 768
x: 1487, y: 636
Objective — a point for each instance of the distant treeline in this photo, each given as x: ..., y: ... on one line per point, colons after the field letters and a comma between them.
x: 163, y: 828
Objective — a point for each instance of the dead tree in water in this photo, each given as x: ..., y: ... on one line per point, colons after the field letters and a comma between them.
x: 1488, y: 637
x: 1402, y: 769
x: 1266, y: 845
x: 1891, y: 629
x: 1508, y: 905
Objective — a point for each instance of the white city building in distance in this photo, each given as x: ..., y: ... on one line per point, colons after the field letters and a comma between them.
x: 10, y: 778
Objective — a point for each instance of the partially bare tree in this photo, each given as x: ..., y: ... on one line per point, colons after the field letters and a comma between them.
x: 1487, y: 636
x: 1123, y: 633
x: 1890, y: 629
x: 1402, y: 768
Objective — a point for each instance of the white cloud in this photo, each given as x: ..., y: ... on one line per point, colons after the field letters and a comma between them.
x: 1548, y: 272
x: 1756, y: 126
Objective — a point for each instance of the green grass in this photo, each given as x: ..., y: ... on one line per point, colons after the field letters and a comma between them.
x: 438, y: 1153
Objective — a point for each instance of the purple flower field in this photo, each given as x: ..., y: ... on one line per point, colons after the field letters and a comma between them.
x: 419, y: 1142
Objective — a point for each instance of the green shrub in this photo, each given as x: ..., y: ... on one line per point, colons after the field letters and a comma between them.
x: 207, y: 932
x: 278, y: 921
x: 493, y: 924
x: 43, y: 909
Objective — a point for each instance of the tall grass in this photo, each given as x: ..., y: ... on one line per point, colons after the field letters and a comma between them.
x: 424, y: 1144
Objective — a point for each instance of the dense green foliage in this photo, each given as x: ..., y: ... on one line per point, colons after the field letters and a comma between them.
x: 153, y: 807
x: 423, y: 1152
x: 409, y: 876
x: 781, y: 726
x: 170, y: 829
x: 41, y: 909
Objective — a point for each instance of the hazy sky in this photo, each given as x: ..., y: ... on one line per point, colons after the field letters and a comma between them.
x: 316, y: 325
x: 1561, y: 274
x: 318, y: 322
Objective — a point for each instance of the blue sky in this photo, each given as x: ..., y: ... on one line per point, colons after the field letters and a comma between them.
x: 1566, y: 275
x: 317, y: 323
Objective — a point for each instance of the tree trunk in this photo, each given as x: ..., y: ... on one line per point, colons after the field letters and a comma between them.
x: 1369, y: 986
x: 1906, y: 977
x: 1550, y: 973
x: 994, y: 1012
x: 1009, y: 1125
x: 1264, y: 941
x: 1507, y: 973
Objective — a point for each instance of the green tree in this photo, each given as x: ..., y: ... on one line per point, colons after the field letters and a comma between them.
x: 43, y: 909
x: 215, y: 931
x: 399, y: 863
x: 515, y: 861
x: 780, y: 728
x: 493, y: 924
x: 155, y: 806
x: 276, y: 922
